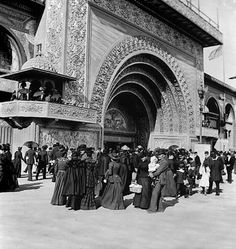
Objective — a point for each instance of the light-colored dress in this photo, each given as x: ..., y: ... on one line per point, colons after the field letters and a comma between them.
x: 205, y: 172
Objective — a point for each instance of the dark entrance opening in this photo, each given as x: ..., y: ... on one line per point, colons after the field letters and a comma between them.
x: 126, y: 122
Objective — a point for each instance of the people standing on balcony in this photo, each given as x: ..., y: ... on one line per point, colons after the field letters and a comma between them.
x: 18, y: 157
x: 23, y: 93
x: 40, y: 94
x: 30, y: 158
x: 230, y: 160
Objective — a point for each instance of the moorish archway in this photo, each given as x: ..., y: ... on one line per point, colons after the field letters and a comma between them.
x: 138, y: 65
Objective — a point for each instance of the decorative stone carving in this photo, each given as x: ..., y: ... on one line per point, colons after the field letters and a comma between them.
x: 175, y: 98
x: 68, y: 138
x: 55, y: 33
x: 76, y: 45
x: 72, y: 113
x: 136, y: 16
x: 38, y: 109
x: 115, y: 121
x: 34, y: 108
x: 125, y: 49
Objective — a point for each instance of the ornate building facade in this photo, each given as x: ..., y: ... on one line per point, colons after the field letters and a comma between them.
x: 129, y: 71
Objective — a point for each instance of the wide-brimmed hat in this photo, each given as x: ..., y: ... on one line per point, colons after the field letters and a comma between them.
x: 125, y: 147
x: 114, y: 156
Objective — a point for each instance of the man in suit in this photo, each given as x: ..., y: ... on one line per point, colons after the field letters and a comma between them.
x: 30, y: 158
x: 42, y: 162
x: 156, y: 204
x: 216, y: 167
x: 230, y: 160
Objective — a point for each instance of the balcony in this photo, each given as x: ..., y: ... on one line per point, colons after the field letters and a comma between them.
x: 208, y: 132
x: 47, y: 110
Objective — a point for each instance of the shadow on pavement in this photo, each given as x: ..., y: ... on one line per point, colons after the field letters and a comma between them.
x: 29, y: 186
x: 128, y: 202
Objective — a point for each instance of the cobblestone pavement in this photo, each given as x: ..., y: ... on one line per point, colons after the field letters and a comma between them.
x: 28, y: 221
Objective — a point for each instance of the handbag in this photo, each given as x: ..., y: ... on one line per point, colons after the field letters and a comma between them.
x: 135, y: 188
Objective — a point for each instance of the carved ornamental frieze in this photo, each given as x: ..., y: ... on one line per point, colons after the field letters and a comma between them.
x: 71, y: 139
x: 68, y: 112
x: 38, y: 109
x: 125, y: 49
x: 55, y: 33
x: 76, y: 45
x: 131, y: 13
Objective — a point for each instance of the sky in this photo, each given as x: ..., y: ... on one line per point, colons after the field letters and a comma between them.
x: 227, y: 22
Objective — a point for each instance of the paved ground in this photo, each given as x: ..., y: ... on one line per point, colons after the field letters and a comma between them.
x: 27, y: 220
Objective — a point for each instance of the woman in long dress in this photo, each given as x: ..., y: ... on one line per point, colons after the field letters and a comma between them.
x: 142, y: 200
x: 60, y: 169
x: 88, y: 201
x: 74, y: 187
x: 112, y: 197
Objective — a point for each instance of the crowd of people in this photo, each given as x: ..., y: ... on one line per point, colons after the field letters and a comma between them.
x: 82, y: 175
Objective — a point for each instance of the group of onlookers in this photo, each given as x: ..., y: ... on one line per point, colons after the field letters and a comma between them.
x: 84, y: 176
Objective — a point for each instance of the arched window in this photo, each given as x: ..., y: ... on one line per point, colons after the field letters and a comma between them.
x: 9, y: 53
x: 212, y: 117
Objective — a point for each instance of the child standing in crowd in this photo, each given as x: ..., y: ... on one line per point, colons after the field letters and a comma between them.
x: 191, y: 175
x: 204, y: 171
x: 180, y: 177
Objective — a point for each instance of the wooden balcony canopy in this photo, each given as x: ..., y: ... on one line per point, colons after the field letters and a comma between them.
x: 34, y: 73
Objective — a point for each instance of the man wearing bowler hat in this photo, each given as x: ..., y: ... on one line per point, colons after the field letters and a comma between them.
x: 156, y: 204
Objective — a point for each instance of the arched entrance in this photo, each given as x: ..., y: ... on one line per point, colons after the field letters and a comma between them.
x: 147, y: 88
x: 229, y: 131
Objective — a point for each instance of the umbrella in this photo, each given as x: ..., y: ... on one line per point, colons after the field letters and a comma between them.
x: 31, y: 144
x: 173, y: 147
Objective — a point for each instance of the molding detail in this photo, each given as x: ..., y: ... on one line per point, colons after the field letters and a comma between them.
x: 125, y: 49
x: 76, y: 46
x: 138, y: 17
x: 41, y: 109
x: 55, y: 33
x: 69, y: 138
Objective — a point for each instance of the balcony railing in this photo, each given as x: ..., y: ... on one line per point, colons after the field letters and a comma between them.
x: 41, y: 109
x: 200, y: 13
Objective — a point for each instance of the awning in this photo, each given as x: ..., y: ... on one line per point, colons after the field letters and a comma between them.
x: 34, y: 73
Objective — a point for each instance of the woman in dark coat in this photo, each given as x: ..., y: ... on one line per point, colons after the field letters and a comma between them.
x: 142, y: 200
x: 75, y: 178
x: 17, y: 161
x: 3, y: 178
x: 61, y: 166
x: 112, y: 197
x: 88, y: 201
x: 124, y: 171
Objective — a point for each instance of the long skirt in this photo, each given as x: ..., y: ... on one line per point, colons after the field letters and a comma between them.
x: 58, y: 198
x: 143, y: 199
x: 88, y: 201
x: 74, y: 182
x: 112, y: 197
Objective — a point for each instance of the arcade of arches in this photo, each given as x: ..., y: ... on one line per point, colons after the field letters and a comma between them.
x: 142, y: 100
